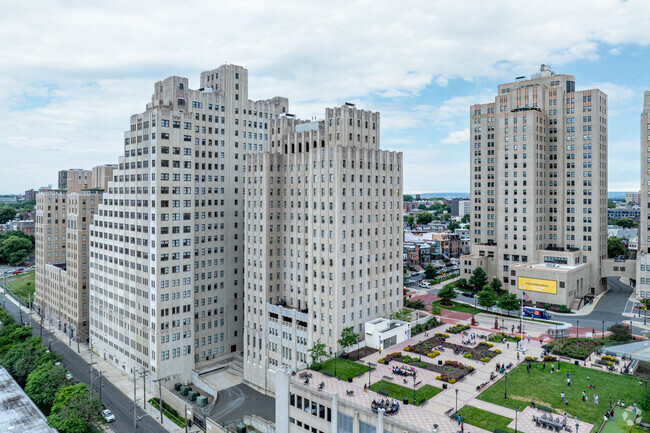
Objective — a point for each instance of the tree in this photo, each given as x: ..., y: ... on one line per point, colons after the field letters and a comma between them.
x: 615, y: 247
x: 317, y: 352
x: 620, y: 332
x: 404, y: 315
x: 408, y: 197
x: 495, y: 284
x: 446, y: 294
x: 611, y: 204
x: 453, y: 225
x: 462, y: 284
x: 7, y: 213
x: 487, y: 297
x: 415, y: 305
x: 626, y: 223
x: 508, y: 302
x: 14, y: 250
x: 435, y: 309
x: 22, y: 358
x: 410, y: 221
x: 348, y: 338
x: 430, y: 272
x: 422, y: 206
x: 465, y: 219
x: 478, y: 280
x: 424, y: 218
x: 43, y: 383
x: 74, y: 411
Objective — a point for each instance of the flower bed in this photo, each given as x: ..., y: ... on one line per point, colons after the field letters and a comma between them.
x: 450, y: 371
x: 458, y: 328
x: 480, y: 352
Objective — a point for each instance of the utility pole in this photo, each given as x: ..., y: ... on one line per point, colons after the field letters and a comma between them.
x: 145, y: 373
x: 92, y: 390
x: 100, y: 386
x: 185, y: 417
x: 160, y: 400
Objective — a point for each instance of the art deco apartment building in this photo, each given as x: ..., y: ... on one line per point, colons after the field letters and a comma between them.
x: 167, y: 277
x: 63, y: 220
x: 539, y: 187
x: 643, y: 257
x: 323, y: 246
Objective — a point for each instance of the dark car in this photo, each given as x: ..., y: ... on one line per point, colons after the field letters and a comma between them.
x: 468, y: 294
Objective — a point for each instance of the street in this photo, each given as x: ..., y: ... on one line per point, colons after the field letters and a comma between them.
x: 113, y: 399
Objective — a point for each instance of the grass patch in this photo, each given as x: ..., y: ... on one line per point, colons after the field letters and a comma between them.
x: 169, y: 412
x: 344, y: 368
x: 466, y: 308
x: 23, y: 285
x: 544, y: 388
x: 484, y: 419
x: 399, y: 392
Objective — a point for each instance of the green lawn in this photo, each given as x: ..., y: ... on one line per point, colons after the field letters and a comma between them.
x: 399, y: 392
x: 22, y: 285
x: 544, y: 388
x: 466, y: 308
x: 483, y: 419
x: 344, y: 367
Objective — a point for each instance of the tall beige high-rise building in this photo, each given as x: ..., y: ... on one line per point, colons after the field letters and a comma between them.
x: 323, y: 240
x: 643, y: 254
x: 539, y: 188
x: 167, y: 258
x: 63, y: 221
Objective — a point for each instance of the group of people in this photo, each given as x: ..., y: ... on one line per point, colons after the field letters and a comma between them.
x: 404, y: 371
x: 390, y: 406
x: 585, y: 397
x: 500, y: 368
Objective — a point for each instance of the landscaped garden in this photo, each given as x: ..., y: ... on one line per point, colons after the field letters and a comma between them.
x: 544, y: 388
x: 449, y: 371
x: 481, y: 352
x: 486, y: 420
x: 399, y: 392
x: 344, y: 368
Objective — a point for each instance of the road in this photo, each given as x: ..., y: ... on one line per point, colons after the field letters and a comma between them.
x: 112, y: 398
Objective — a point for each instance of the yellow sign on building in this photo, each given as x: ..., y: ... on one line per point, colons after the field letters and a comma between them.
x: 537, y: 285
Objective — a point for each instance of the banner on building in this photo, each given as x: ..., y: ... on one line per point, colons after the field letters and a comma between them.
x: 537, y: 285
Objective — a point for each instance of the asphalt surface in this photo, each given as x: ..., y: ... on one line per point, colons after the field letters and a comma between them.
x: 239, y: 400
x: 112, y: 398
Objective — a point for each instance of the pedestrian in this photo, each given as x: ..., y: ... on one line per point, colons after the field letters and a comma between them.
x: 610, y: 403
x: 568, y: 381
x: 507, y: 345
x: 605, y: 418
x: 544, y: 365
x: 595, y: 399
x: 517, y: 356
x: 552, y: 368
x: 562, y: 396
x: 458, y: 419
x: 584, y: 396
x: 635, y: 408
x: 529, y: 338
x: 567, y: 375
x: 462, y: 427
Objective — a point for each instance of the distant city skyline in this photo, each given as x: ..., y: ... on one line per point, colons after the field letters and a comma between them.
x: 67, y: 93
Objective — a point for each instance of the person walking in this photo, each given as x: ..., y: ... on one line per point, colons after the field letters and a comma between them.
x: 562, y: 396
x: 635, y: 408
x: 544, y: 365
x: 529, y: 339
x: 568, y: 381
x: 596, y: 398
x: 610, y: 403
x: 584, y: 396
x: 552, y: 368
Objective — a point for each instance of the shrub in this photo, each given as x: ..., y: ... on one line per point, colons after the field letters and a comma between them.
x: 467, y: 355
x: 407, y: 348
x: 382, y: 361
x: 458, y: 328
x: 483, y: 343
x: 422, y: 364
x: 564, y: 309
x: 497, y: 351
x: 433, y: 354
x: 548, y: 358
x: 486, y: 359
x: 610, y: 363
x: 608, y: 358
x: 529, y: 358
x: 452, y: 381
x: 439, y: 377
x: 406, y: 359
x: 316, y: 366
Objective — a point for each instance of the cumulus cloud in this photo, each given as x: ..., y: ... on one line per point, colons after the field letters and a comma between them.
x: 457, y: 137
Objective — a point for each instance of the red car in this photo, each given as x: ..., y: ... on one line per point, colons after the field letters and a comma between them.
x: 17, y: 272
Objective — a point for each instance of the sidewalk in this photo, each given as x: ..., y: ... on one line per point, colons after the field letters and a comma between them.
x: 120, y: 379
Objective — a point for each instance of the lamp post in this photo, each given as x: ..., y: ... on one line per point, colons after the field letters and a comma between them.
x: 503, y: 323
x: 505, y: 391
x: 577, y: 427
x: 516, y: 412
x: 603, y: 334
x: 456, y: 400
x: 413, y: 389
x: 577, y: 329
x: 335, y: 364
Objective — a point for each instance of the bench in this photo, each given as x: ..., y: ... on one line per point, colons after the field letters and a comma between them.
x: 391, y: 378
x: 597, y: 366
x: 545, y: 409
x: 304, y: 375
x: 383, y: 392
x: 449, y: 411
x: 327, y: 373
x: 418, y: 384
x: 498, y: 430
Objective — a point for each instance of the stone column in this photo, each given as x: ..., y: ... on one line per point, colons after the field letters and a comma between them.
x: 334, y: 425
x: 380, y: 421
x: 282, y: 381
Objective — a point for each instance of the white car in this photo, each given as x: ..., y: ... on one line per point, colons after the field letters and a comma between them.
x: 424, y: 284
x: 108, y: 415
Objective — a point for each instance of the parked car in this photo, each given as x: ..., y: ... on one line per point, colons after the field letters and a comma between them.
x: 424, y: 284
x: 17, y: 271
x: 468, y: 294
x: 108, y: 415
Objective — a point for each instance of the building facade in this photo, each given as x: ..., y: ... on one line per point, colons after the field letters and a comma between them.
x: 643, y: 244
x: 539, y: 183
x: 167, y: 276
x: 62, y: 229
x: 323, y: 248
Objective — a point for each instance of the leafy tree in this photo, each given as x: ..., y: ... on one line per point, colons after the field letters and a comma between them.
x: 446, y: 294
x: 74, y: 411
x: 508, y: 302
x: 645, y: 302
x: 422, y: 206
x: 462, y: 284
x: 22, y: 358
x: 465, y: 219
x: 410, y: 221
x: 404, y: 315
x: 626, y: 223
x: 14, y: 250
x: 12, y: 333
x: 478, y: 280
x: 611, y: 204
x: 430, y: 272
x: 408, y: 197
x: 496, y: 285
x: 620, y: 332
x: 453, y: 225
x: 424, y: 218
x: 615, y: 247
x: 415, y: 305
x: 317, y: 352
x: 348, y: 338
x: 7, y: 213
x: 43, y: 383
x: 487, y: 297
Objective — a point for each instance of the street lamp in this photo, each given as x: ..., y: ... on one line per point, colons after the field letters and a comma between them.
x: 577, y: 329
x: 335, y: 364
x: 413, y: 389
x: 577, y: 427
x: 603, y: 334
x: 505, y: 392
x: 456, y: 400
x: 516, y: 412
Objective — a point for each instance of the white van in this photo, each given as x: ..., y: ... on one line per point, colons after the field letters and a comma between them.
x: 424, y: 284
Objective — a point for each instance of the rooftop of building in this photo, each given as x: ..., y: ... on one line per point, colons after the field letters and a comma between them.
x: 552, y: 266
x: 17, y: 411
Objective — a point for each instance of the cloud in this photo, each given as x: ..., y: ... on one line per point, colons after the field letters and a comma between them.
x: 457, y: 137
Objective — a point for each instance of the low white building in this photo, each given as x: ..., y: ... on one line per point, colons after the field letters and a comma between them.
x: 384, y: 333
